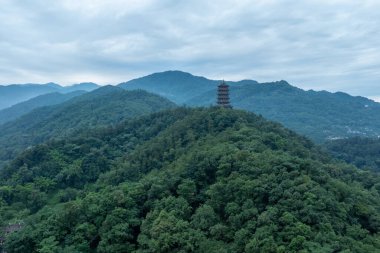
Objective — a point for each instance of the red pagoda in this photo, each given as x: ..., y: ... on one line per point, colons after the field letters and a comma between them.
x: 223, y: 96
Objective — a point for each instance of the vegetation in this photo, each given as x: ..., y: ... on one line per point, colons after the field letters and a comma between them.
x: 22, y: 108
x: 175, y: 85
x: 188, y: 180
x: 362, y: 152
x: 104, y: 106
x: 319, y: 115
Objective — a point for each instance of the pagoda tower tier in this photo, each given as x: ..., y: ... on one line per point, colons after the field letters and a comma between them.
x: 223, y: 99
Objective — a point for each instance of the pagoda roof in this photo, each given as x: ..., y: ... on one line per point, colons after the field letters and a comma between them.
x: 223, y: 84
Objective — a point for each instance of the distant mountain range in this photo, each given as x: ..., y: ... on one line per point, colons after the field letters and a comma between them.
x: 105, y: 106
x: 17, y: 110
x: 175, y: 85
x: 320, y: 115
x: 16, y: 93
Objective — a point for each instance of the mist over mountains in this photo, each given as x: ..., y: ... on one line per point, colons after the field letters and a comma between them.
x: 16, y: 93
x: 17, y: 110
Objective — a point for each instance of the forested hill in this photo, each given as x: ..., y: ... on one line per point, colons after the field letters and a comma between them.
x: 175, y: 85
x: 104, y: 106
x: 319, y: 115
x: 188, y: 180
x: 362, y: 152
x: 16, y: 93
x: 17, y: 110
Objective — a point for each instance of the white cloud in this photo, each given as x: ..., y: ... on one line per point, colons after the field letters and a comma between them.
x: 115, y: 8
x: 317, y: 44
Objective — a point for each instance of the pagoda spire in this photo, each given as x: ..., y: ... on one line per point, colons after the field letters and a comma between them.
x: 223, y: 95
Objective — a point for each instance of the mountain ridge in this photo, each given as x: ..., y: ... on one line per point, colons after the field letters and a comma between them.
x: 104, y: 106
x: 16, y: 93
x: 320, y: 115
x: 17, y: 110
x: 169, y: 84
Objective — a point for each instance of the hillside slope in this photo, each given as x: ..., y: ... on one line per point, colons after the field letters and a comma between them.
x: 17, y: 110
x: 188, y: 180
x: 104, y: 106
x: 16, y: 93
x: 319, y: 115
x: 362, y: 152
x: 178, y: 86
x: 175, y: 85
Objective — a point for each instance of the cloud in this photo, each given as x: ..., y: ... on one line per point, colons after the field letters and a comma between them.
x: 322, y: 44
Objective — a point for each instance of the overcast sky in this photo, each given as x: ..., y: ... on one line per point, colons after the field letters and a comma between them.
x: 322, y: 44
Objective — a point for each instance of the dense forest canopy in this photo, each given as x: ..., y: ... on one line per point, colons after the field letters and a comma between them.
x: 188, y: 180
x: 105, y: 106
x: 362, y: 152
